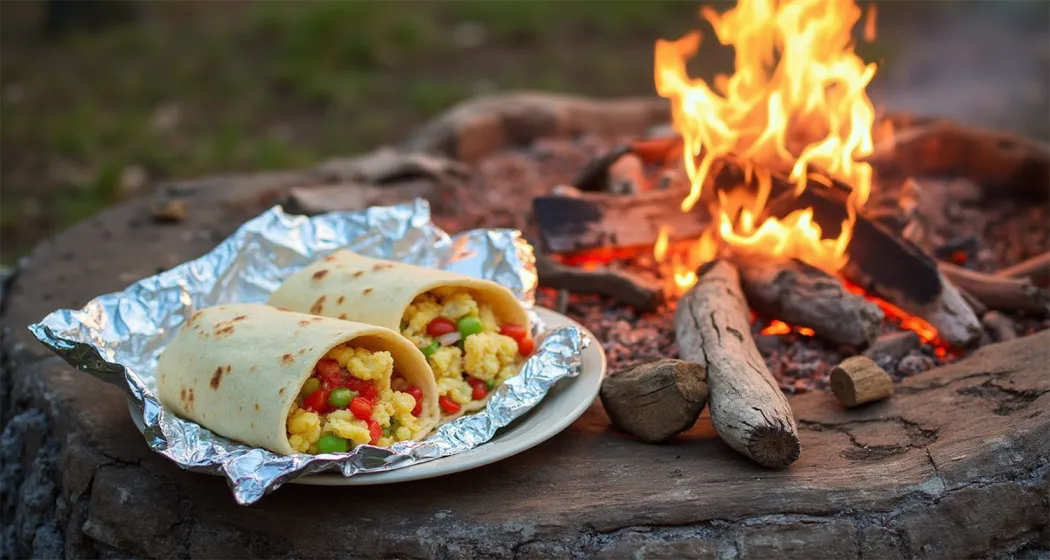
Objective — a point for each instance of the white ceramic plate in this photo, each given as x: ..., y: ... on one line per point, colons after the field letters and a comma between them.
x: 564, y: 403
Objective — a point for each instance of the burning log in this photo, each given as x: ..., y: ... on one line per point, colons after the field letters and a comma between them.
x: 859, y: 380
x: 748, y: 409
x: 603, y: 221
x: 805, y: 296
x: 888, y: 266
x: 997, y: 293
x: 619, y: 285
x: 1036, y: 269
x: 594, y: 175
x: 627, y: 176
x: 655, y: 401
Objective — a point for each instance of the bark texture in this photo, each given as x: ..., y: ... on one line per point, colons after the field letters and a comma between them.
x: 655, y: 401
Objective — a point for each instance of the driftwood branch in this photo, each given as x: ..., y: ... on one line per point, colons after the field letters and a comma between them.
x: 747, y: 407
x: 805, y: 296
x: 655, y: 401
x: 1002, y: 294
x: 1036, y: 269
x: 619, y: 285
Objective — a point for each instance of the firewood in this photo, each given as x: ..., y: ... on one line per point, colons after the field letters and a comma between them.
x: 998, y: 293
x: 859, y: 380
x: 889, y: 267
x: 606, y: 221
x: 805, y: 296
x: 594, y: 175
x: 748, y: 409
x: 654, y: 401
x: 1036, y: 269
x: 345, y: 197
x: 627, y: 176
x: 561, y: 303
x: 999, y: 326
x: 889, y: 348
x: 1001, y: 163
x: 617, y: 284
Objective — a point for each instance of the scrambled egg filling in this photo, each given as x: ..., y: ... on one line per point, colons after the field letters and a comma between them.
x: 391, y: 410
x: 486, y: 356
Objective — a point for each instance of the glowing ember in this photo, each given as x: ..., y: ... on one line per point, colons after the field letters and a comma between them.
x: 780, y: 327
x: 796, y: 101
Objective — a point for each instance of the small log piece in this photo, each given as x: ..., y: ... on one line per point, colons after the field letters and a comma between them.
x: 1036, y: 269
x: 889, y: 348
x: 996, y: 292
x: 620, y: 285
x: 805, y: 296
x: 748, y: 409
x: 1000, y: 327
x: 627, y: 176
x: 859, y: 380
x: 655, y: 401
x: 594, y: 175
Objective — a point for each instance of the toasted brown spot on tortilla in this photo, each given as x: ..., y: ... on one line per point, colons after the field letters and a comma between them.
x: 329, y: 258
x: 341, y: 300
x: 224, y: 331
x: 320, y: 274
x: 302, y: 351
x: 287, y: 359
x: 256, y: 406
x: 216, y: 378
x: 280, y: 391
x: 303, y: 323
x: 318, y: 305
x: 382, y: 266
x: 239, y: 318
x: 182, y: 394
x: 358, y: 273
x: 284, y: 309
x: 367, y: 291
x: 342, y: 316
x: 253, y: 369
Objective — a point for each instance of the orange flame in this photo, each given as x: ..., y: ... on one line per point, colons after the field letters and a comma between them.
x: 780, y: 327
x: 796, y: 101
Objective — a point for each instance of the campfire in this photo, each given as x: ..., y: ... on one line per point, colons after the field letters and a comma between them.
x: 762, y: 210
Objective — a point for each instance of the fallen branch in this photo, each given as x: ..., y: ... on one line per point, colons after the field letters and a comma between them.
x: 997, y: 293
x: 619, y: 285
x: 805, y: 296
x: 655, y: 401
x: 748, y: 409
x: 1036, y: 269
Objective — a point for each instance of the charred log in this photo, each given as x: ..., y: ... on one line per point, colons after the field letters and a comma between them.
x: 805, y: 296
x: 619, y: 285
x: 748, y: 409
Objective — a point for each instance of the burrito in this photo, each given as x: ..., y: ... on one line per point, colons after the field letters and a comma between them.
x: 474, y: 333
x: 296, y: 383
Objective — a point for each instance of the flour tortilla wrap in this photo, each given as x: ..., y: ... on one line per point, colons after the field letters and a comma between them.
x: 237, y: 369
x: 345, y: 285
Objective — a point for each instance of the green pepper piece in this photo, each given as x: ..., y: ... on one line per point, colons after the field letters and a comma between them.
x: 309, y: 387
x: 341, y: 397
x: 490, y: 384
x: 469, y: 325
x: 429, y: 349
x: 332, y: 444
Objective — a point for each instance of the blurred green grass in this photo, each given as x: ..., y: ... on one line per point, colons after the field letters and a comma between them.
x: 216, y: 87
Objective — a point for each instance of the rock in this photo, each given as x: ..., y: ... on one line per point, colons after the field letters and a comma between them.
x: 169, y: 211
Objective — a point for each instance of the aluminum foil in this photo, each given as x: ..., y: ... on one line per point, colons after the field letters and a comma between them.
x: 118, y: 337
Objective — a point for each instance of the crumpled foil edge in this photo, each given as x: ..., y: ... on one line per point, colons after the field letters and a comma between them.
x: 117, y: 337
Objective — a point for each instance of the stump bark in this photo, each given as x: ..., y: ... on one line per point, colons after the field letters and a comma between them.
x: 655, y: 401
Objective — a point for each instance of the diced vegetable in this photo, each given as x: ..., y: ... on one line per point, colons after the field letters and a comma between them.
x: 341, y: 397
x: 440, y: 326
x: 309, y: 387
x: 329, y: 374
x: 429, y: 349
x: 375, y: 430
x: 514, y: 331
x: 490, y: 384
x: 417, y: 394
x: 526, y: 346
x: 448, y: 339
x: 317, y: 401
x: 448, y: 405
x: 363, y: 388
x: 332, y: 444
x: 469, y: 325
x: 479, y: 389
x: 361, y: 408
